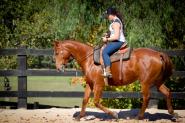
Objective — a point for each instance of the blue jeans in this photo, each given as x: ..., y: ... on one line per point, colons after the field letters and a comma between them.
x: 110, y: 49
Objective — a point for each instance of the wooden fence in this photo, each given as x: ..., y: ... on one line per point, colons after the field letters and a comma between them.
x: 22, y: 72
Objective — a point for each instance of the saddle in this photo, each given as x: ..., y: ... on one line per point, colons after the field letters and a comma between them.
x: 123, y: 54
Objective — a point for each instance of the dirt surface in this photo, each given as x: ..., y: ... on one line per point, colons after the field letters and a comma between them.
x: 60, y: 115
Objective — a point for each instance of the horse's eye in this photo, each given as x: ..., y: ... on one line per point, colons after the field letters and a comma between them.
x: 56, y: 54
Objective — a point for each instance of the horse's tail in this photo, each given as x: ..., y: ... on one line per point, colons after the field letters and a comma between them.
x: 167, y: 66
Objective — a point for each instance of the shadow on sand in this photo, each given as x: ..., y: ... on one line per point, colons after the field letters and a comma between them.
x: 129, y: 114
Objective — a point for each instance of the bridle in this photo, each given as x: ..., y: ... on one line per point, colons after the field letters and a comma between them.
x: 81, y: 59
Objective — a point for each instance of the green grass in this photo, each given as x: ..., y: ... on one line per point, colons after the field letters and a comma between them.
x: 43, y: 83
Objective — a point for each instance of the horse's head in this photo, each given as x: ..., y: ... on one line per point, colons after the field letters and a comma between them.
x: 61, y: 55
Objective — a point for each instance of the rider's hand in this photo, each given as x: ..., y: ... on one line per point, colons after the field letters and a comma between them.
x: 104, y: 39
x: 105, y: 34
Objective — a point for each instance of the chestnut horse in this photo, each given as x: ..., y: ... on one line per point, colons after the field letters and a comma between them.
x: 146, y: 65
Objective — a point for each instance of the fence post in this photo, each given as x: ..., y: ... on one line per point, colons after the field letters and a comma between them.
x: 22, y: 78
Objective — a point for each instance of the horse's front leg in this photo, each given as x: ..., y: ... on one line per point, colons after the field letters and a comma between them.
x: 85, y: 101
x: 98, y: 89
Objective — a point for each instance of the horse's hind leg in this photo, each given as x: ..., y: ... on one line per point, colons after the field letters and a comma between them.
x: 97, y: 95
x: 164, y: 90
x: 85, y: 101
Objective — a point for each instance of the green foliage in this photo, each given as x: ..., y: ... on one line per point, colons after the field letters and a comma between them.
x: 123, y: 102
x: 7, y: 62
x: 36, y: 23
x: 120, y: 103
x: 143, y: 23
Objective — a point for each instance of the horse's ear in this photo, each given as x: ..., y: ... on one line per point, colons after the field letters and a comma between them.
x: 56, y: 43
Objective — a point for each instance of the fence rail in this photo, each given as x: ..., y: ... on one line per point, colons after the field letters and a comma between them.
x: 77, y: 94
x: 22, y: 72
x: 53, y: 72
x: 49, y: 72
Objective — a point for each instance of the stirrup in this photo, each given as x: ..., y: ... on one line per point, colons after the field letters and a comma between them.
x: 107, y: 75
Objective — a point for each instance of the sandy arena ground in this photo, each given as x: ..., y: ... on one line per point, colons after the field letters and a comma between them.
x: 60, y: 115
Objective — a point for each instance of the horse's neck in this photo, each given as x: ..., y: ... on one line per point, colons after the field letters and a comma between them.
x: 81, y: 52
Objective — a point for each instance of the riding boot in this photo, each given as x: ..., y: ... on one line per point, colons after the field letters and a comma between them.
x: 107, y: 72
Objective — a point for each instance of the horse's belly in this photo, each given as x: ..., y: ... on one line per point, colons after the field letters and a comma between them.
x: 118, y: 83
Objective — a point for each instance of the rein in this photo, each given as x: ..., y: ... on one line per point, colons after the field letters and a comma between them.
x: 84, y: 58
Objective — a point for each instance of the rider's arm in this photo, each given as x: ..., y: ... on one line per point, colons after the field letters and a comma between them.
x: 116, y: 28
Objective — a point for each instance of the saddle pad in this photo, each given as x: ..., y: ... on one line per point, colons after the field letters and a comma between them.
x: 96, y: 55
x: 126, y: 56
x: 115, y: 57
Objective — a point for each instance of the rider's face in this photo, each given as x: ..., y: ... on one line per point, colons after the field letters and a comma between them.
x: 110, y: 17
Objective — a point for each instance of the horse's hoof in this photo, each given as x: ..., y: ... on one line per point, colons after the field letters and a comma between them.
x: 115, y: 115
x: 175, y: 117
x: 77, y: 118
x: 139, y: 118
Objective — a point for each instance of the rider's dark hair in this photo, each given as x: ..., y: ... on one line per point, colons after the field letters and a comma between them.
x: 113, y: 11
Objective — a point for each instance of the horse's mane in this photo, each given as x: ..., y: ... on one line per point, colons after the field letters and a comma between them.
x: 75, y: 42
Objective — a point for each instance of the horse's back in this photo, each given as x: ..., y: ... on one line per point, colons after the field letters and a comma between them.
x: 147, y: 57
x: 143, y: 61
x: 147, y: 51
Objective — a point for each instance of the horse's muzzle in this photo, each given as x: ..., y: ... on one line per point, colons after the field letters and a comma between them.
x: 62, y: 68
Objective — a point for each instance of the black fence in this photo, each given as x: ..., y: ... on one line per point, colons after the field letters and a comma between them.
x: 22, y: 72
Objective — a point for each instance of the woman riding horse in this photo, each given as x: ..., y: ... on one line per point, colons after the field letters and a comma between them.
x: 150, y: 67
x: 114, y: 41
